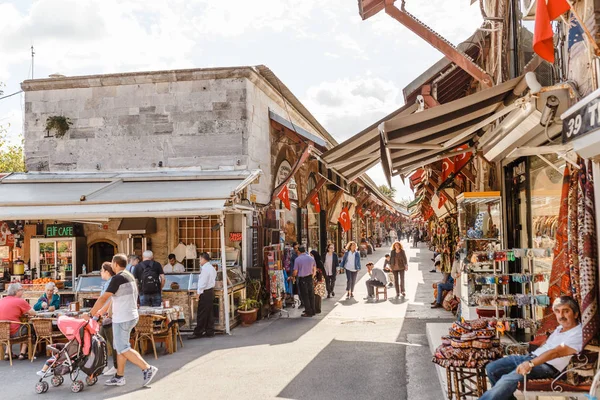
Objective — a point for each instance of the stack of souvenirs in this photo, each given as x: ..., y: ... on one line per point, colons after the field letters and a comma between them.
x: 469, y: 344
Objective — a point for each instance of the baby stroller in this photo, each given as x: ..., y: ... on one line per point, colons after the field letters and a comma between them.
x: 84, y: 352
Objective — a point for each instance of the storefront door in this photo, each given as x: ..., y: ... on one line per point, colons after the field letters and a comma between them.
x: 99, y: 253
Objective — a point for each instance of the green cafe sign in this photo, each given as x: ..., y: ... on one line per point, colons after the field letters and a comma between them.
x: 59, y: 231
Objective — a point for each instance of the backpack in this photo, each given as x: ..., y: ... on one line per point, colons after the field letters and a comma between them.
x: 96, y: 360
x: 150, y: 280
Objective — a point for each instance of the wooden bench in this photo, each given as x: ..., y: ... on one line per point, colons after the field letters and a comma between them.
x: 380, y: 290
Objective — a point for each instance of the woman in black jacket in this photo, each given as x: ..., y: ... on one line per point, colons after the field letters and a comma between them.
x: 331, y: 264
x: 398, y: 264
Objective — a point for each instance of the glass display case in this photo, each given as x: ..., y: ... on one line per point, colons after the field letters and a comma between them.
x: 90, y: 283
x: 179, y: 281
x: 234, y: 277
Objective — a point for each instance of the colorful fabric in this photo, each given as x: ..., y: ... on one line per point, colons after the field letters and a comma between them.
x: 573, y: 238
x: 588, y: 262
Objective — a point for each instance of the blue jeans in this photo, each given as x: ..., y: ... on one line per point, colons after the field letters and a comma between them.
x: 449, y: 285
x: 150, y: 300
x: 505, y: 379
x: 351, y: 276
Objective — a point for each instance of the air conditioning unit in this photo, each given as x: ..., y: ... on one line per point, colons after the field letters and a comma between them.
x: 529, y: 9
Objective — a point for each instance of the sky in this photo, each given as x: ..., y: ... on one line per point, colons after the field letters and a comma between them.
x: 349, y: 73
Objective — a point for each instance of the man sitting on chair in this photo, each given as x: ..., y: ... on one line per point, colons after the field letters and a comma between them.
x: 548, y: 361
x: 377, y: 279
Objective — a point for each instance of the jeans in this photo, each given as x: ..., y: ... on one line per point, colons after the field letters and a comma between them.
x: 504, y: 378
x: 399, y: 279
x: 351, y: 275
x: 121, y: 335
x: 371, y: 283
x: 441, y: 287
x: 307, y: 294
x: 330, y: 282
x: 151, y: 300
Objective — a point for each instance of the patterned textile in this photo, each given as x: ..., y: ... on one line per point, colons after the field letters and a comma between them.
x: 588, y: 262
x: 320, y: 289
x: 573, y: 237
x: 277, y: 283
x: 560, y: 280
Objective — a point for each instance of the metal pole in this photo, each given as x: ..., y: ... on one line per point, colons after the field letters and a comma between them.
x: 224, y: 272
x: 244, y: 242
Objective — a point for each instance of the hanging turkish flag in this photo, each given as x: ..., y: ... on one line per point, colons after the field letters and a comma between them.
x: 284, y: 196
x: 373, y: 214
x: 462, y: 159
x: 344, y: 219
x: 360, y: 212
x: 447, y: 168
x: 543, y: 36
x: 443, y: 199
x: 382, y: 219
x: 315, y: 202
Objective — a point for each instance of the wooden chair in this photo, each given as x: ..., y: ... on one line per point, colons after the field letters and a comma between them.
x: 155, y: 329
x: 380, y: 290
x: 176, y: 334
x: 8, y: 341
x: 44, y: 333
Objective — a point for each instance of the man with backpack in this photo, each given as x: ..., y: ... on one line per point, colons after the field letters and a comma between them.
x: 151, y: 279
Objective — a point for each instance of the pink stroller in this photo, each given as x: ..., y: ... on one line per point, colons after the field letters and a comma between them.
x: 85, y: 351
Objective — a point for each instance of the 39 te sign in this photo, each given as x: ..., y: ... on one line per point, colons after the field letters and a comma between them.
x: 582, y: 121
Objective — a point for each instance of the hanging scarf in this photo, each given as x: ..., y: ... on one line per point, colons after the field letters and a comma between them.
x: 573, y: 237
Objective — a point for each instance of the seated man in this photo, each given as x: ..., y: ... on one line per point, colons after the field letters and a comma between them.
x: 388, y: 270
x: 377, y: 279
x: 12, y: 308
x: 447, y: 283
x: 548, y: 361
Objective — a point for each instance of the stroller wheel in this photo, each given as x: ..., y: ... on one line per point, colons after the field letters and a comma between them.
x: 41, y: 387
x: 57, y: 380
x: 91, y: 381
x: 76, y: 386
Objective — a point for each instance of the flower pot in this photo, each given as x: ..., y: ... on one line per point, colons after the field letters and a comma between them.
x: 248, y: 317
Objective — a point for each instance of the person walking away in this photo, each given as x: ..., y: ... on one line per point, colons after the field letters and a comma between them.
x: 319, y: 290
x: 205, y: 322
x: 305, y: 269
x: 106, y: 272
x: 415, y: 235
x: 388, y: 270
x: 377, y: 279
x: 399, y: 264
x: 351, y: 263
x: 330, y: 265
x: 151, y: 279
x: 123, y: 292
x: 133, y: 261
x: 172, y: 265
x: 546, y: 362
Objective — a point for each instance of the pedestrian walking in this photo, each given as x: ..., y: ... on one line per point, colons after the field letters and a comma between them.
x: 123, y: 292
x: 106, y: 272
x: 351, y: 263
x: 399, y: 265
x: 330, y: 264
x: 205, y: 325
x: 305, y: 269
x: 388, y: 270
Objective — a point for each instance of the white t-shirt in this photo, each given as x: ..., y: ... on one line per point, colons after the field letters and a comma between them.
x: 350, y: 261
x: 168, y: 268
x: 329, y: 264
x: 572, y: 338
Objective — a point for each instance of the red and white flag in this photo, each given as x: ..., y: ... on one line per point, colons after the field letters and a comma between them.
x: 543, y: 36
x: 360, y: 212
x: 443, y: 200
x: 284, y: 196
x: 447, y: 168
x: 462, y: 159
x: 315, y: 202
x: 344, y: 219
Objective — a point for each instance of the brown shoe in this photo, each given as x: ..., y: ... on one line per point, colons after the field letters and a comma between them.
x: 433, y: 302
x: 436, y: 305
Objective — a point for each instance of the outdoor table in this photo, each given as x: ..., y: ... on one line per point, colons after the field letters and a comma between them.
x: 174, y: 315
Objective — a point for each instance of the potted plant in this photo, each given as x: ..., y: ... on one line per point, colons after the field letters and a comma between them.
x: 248, y: 310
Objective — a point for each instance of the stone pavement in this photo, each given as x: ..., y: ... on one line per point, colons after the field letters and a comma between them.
x: 353, y: 350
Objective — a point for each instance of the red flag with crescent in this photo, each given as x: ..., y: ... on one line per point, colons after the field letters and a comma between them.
x: 373, y: 213
x: 315, y: 202
x: 284, y: 196
x: 543, y: 35
x: 360, y: 212
x: 443, y: 200
x: 382, y: 219
x: 447, y: 168
x: 344, y: 219
x: 462, y: 159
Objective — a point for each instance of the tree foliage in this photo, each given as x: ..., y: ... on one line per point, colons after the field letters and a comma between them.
x: 387, y: 191
x: 11, y: 155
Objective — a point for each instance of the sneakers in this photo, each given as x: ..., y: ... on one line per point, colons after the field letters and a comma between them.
x: 114, y: 381
x: 109, y: 371
x: 40, y: 373
x: 149, y: 374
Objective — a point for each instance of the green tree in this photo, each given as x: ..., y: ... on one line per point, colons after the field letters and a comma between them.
x: 11, y: 155
x: 387, y: 191
x: 405, y: 201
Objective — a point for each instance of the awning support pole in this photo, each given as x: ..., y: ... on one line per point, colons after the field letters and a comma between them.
x: 224, y: 273
x: 244, y: 244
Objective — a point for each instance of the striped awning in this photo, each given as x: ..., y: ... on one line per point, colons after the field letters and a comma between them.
x: 406, y: 140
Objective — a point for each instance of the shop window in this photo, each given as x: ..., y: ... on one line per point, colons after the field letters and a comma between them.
x: 198, y: 230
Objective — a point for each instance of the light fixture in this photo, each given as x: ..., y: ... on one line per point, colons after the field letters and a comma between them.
x: 420, y: 102
x: 216, y: 227
x: 532, y: 82
x: 549, y: 111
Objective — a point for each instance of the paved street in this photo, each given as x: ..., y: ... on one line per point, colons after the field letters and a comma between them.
x: 354, y: 350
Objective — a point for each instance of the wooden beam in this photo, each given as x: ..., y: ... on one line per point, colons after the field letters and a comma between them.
x: 318, y: 187
x: 332, y: 204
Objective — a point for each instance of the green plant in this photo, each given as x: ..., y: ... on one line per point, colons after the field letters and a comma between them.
x: 248, y: 304
x: 58, y: 123
x: 253, y: 288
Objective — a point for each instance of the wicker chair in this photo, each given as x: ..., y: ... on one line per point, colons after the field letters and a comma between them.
x: 174, y: 325
x: 8, y: 341
x: 155, y: 329
x: 44, y: 333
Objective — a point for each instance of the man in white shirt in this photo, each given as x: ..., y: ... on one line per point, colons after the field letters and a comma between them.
x: 205, y: 326
x: 548, y: 361
x: 172, y: 265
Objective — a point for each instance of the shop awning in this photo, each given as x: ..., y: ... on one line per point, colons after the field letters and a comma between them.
x: 130, y: 195
x: 406, y: 140
x: 137, y: 226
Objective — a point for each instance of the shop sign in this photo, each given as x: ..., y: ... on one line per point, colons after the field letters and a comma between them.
x: 582, y: 121
x: 59, y: 230
x: 235, y: 236
x: 283, y: 172
x: 4, y: 233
